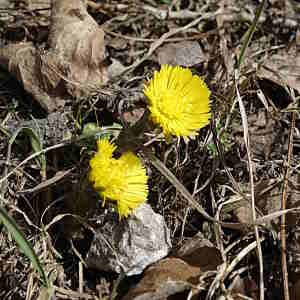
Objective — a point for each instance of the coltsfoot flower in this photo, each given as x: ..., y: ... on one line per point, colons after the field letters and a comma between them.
x: 122, y: 180
x: 178, y: 101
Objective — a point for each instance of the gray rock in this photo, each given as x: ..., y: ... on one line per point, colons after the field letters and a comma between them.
x: 130, y: 245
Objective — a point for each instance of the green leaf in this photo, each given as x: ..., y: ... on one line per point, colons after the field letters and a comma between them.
x: 35, y: 141
x: 24, y: 245
x: 249, y: 33
x: 91, y: 130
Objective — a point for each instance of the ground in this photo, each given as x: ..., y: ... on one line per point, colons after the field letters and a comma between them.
x: 245, y: 160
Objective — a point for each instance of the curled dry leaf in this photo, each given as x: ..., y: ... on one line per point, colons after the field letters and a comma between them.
x: 268, y: 194
x: 282, y: 68
x: 266, y: 135
x: 77, y: 46
x: 23, y: 62
x: 73, y: 65
x: 168, y: 277
x: 176, y: 274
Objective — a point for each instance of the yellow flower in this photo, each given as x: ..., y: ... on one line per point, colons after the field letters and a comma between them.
x: 178, y: 101
x: 122, y: 180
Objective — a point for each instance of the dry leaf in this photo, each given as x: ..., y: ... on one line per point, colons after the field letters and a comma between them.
x: 283, y: 69
x: 168, y: 277
x: 174, y: 275
x: 186, y: 54
x: 47, y: 183
x: 76, y: 47
x: 266, y: 135
x: 200, y: 252
x: 268, y: 194
x: 72, y: 66
x: 131, y: 116
x: 22, y: 61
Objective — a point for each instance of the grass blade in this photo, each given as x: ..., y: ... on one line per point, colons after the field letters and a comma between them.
x: 250, y: 33
x: 24, y: 245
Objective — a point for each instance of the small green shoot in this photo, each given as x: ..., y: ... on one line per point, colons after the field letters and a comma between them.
x: 223, y: 140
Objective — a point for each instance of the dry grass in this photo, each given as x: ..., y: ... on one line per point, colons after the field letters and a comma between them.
x: 227, y: 172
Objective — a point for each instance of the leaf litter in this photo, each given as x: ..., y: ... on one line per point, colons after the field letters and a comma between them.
x: 61, y: 57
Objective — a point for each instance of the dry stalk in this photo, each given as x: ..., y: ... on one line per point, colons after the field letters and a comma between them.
x: 217, y: 227
x: 197, y: 36
x: 283, y: 207
x: 165, y: 36
x: 250, y: 166
x: 32, y: 156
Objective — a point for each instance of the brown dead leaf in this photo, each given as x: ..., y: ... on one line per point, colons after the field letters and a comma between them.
x: 22, y: 61
x: 47, y: 183
x: 77, y: 47
x: 266, y: 135
x: 268, y: 195
x: 72, y: 66
x: 174, y: 275
x: 168, y: 277
x: 283, y: 68
x: 243, y: 211
x: 131, y: 116
x: 200, y: 252
x: 186, y: 54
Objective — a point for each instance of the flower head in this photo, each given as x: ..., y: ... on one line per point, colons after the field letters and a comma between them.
x: 123, y: 180
x: 178, y: 101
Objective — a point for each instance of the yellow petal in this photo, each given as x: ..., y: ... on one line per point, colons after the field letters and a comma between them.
x: 122, y: 180
x: 178, y: 101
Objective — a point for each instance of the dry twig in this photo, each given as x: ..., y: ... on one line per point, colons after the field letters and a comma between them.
x: 283, y: 207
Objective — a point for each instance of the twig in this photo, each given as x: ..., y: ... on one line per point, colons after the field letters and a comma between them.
x: 195, y: 36
x: 164, y: 14
x: 80, y: 279
x: 186, y: 194
x: 225, y: 269
x: 217, y: 227
x: 167, y: 35
x: 248, y: 148
x: 283, y: 206
x: 247, y: 144
x: 36, y: 154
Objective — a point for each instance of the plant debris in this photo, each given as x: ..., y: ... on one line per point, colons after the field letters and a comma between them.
x: 74, y: 71
x: 73, y: 65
